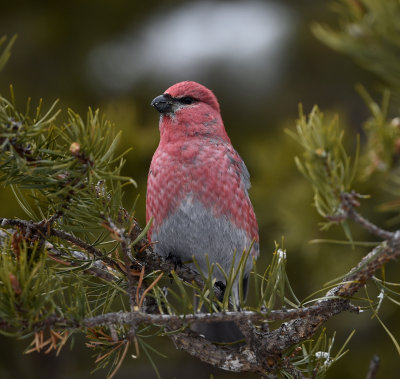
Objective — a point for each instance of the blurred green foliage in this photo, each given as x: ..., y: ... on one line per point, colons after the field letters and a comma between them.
x: 370, y: 32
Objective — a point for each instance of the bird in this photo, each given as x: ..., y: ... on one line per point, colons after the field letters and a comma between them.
x: 197, y: 191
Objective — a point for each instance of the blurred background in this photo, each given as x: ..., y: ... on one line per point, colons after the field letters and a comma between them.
x: 261, y: 60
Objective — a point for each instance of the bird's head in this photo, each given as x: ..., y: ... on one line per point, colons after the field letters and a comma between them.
x: 190, y: 109
x: 185, y: 95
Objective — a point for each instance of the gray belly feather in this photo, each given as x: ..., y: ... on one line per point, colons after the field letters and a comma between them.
x: 193, y: 230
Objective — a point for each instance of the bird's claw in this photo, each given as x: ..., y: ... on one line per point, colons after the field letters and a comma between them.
x: 175, y: 260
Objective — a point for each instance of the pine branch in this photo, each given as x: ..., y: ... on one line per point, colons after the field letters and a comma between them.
x: 336, y: 300
x: 144, y: 254
x: 226, y: 358
x: 98, y: 269
x: 43, y: 230
x: 264, y: 349
x: 349, y: 202
x: 123, y: 238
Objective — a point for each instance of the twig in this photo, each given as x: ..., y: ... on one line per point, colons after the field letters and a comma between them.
x: 139, y: 286
x: 148, y: 289
x: 131, y: 284
x: 53, y: 218
x: 87, y: 247
x: 372, y: 228
x: 127, y: 343
x: 125, y: 241
x: 349, y: 202
x: 98, y: 268
x: 43, y: 231
x: 373, y: 368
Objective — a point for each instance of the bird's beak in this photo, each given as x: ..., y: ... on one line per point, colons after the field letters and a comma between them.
x: 164, y: 103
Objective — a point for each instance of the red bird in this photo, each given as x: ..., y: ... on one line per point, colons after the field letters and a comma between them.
x: 197, y: 188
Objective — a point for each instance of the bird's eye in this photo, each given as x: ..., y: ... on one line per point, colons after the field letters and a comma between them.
x: 187, y: 100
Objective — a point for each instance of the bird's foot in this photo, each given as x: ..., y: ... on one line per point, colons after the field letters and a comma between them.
x: 221, y: 287
x: 175, y: 260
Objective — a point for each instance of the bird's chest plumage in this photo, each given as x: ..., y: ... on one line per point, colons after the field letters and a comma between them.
x: 198, y: 199
x: 175, y: 171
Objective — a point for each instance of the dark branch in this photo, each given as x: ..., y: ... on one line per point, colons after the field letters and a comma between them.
x: 349, y: 203
x: 98, y: 268
x: 124, y: 240
x: 226, y: 358
x: 44, y: 231
x: 373, y: 368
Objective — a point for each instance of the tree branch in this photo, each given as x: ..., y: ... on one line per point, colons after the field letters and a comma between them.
x: 226, y: 358
x: 264, y: 349
x: 98, y: 268
x: 44, y: 231
x: 349, y: 203
x: 293, y: 332
x: 373, y: 368
x: 125, y: 241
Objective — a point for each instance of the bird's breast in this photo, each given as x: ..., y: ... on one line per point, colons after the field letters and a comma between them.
x: 188, y: 152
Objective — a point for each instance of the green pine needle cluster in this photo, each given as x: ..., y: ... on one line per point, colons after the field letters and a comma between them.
x: 70, y: 168
x: 28, y: 287
x: 269, y: 286
x: 382, y: 149
x: 325, y: 162
x: 315, y: 357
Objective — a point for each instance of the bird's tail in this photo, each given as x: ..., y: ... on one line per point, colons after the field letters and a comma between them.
x: 221, y: 331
